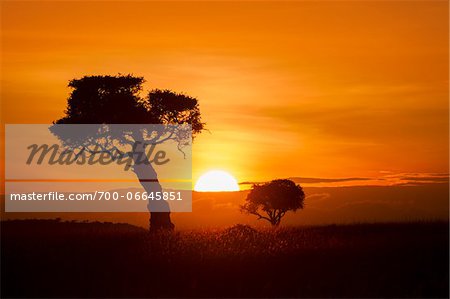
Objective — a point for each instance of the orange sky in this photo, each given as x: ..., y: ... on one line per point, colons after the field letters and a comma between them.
x: 312, y: 89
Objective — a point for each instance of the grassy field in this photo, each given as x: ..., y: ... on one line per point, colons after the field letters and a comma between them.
x: 49, y: 258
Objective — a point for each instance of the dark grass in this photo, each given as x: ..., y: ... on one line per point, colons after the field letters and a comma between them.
x: 47, y: 258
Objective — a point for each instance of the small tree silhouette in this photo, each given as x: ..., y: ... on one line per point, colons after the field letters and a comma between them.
x: 116, y: 100
x: 274, y: 199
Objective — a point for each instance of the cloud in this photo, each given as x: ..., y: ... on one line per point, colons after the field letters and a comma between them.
x: 418, y: 178
x: 398, y: 179
x: 318, y: 196
x: 300, y: 180
x: 428, y: 179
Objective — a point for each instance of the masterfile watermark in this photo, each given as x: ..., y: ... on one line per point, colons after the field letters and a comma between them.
x: 52, y: 154
x: 135, y: 167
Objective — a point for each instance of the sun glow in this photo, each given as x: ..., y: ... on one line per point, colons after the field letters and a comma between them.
x: 216, y: 180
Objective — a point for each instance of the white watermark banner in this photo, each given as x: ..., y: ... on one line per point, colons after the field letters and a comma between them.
x: 98, y: 168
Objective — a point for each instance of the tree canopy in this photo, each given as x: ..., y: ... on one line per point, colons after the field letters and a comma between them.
x: 117, y: 100
x: 270, y: 201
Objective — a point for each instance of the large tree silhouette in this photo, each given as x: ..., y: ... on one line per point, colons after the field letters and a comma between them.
x: 117, y: 100
x: 270, y: 201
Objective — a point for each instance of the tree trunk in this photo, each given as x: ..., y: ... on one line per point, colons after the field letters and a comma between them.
x: 149, y: 181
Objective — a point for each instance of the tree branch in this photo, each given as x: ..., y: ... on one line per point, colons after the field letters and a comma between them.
x: 259, y: 216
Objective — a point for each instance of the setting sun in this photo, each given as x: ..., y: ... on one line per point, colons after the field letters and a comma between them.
x: 216, y: 180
